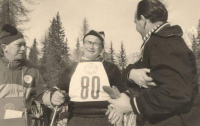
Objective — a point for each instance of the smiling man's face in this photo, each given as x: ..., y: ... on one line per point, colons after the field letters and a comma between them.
x: 92, y: 47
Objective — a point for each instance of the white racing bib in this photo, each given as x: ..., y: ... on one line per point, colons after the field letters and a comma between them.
x: 87, y: 82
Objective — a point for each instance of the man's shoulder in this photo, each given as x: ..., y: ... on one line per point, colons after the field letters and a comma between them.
x: 30, y: 67
x: 70, y: 67
x: 169, y: 31
x: 165, y: 42
x: 109, y: 64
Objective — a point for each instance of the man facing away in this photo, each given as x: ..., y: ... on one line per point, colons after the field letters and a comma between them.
x: 166, y: 75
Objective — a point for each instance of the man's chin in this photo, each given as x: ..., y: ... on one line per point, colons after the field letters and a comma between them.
x: 20, y: 58
x: 91, y: 57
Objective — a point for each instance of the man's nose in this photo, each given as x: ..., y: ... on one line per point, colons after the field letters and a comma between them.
x: 92, y: 45
x: 23, y: 48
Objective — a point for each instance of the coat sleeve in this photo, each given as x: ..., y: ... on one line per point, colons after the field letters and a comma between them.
x: 125, y: 76
x: 117, y: 81
x: 65, y: 78
x: 172, y: 69
x: 63, y: 84
x: 42, y: 91
x: 114, y: 76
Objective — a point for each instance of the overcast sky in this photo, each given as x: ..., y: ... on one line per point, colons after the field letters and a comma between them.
x: 114, y: 17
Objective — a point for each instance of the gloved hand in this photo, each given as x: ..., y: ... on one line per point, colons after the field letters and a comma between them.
x: 113, y: 91
x: 58, y: 98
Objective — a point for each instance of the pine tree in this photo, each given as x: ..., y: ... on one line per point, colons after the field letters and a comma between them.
x: 44, y: 51
x: 196, y: 50
x: 67, y: 54
x: 48, y: 64
x: 55, y: 52
x: 34, y: 53
x: 122, y: 60
x: 13, y: 12
x: 198, y: 34
x: 111, y: 54
x: 77, y: 51
x: 194, y: 43
x: 105, y: 55
x: 84, y: 28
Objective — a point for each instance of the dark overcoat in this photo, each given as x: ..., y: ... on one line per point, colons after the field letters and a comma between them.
x: 175, y: 100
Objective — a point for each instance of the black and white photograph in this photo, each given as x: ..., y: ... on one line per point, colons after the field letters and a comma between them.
x: 99, y: 62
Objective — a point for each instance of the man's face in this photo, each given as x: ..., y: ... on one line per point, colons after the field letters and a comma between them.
x: 15, y: 50
x: 139, y: 25
x: 92, y: 47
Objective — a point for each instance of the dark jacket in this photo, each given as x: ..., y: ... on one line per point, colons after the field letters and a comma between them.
x: 175, y: 101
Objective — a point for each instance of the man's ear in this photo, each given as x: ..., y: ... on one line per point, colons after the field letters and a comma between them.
x: 102, y: 51
x: 143, y: 20
x: 3, y: 47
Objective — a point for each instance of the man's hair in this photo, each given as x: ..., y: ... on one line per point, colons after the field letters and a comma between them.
x: 153, y: 10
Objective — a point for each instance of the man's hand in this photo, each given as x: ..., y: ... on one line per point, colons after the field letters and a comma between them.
x: 121, y: 104
x: 114, y: 116
x: 58, y: 98
x: 62, y: 122
x: 139, y: 76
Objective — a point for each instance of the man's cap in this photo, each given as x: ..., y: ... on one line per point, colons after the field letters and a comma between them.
x: 9, y: 34
x: 100, y: 35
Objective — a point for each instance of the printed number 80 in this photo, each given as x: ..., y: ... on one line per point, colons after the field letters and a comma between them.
x: 85, y: 87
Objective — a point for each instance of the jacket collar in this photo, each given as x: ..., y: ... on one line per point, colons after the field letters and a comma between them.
x: 164, y: 30
x: 169, y: 31
x: 98, y: 59
x: 154, y: 30
x: 13, y: 65
x: 147, y: 36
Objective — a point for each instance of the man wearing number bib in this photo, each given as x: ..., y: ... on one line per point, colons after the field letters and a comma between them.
x: 84, y: 80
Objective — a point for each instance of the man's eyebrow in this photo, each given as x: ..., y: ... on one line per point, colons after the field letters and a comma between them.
x: 21, y: 42
x: 89, y: 41
x: 92, y: 41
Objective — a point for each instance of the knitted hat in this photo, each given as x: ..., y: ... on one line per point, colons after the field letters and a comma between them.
x: 100, y: 35
x: 9, y: 34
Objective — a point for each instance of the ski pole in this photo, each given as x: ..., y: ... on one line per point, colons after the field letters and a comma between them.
x: 54, y: 116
